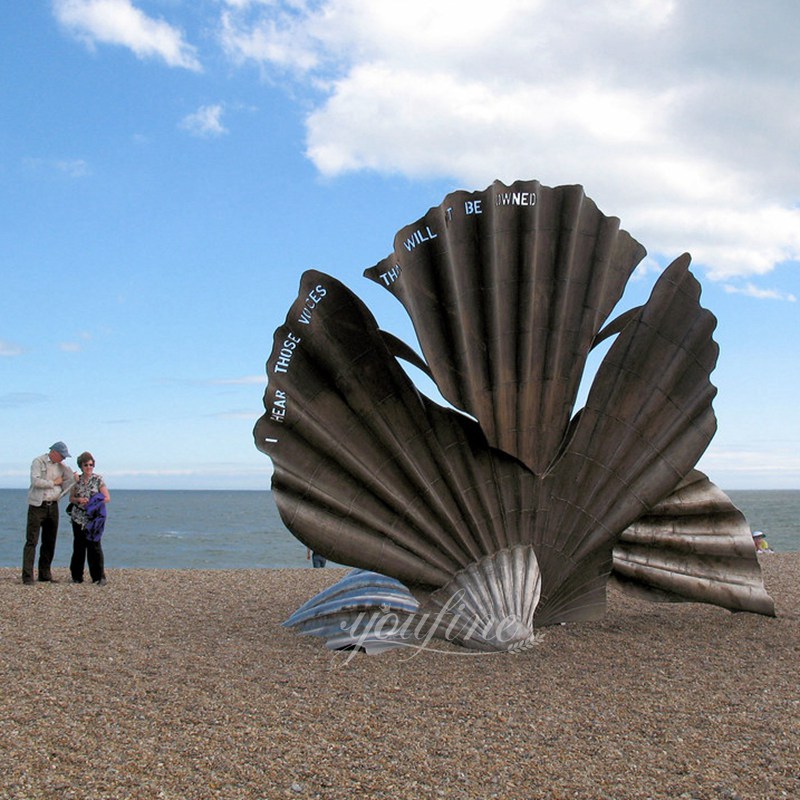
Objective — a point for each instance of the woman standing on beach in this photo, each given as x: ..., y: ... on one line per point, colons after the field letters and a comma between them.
x: 87, y: 511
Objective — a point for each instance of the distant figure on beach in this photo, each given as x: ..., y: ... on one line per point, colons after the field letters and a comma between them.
x: 761, y: 543
x: 87, y: 510
x: 50, y: 481
x: 317, y: 560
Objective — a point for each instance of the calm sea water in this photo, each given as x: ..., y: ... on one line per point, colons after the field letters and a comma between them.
x: 170, y: 530
x: 236, y: 529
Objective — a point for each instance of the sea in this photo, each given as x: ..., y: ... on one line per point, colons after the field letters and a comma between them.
x: 243, y: 530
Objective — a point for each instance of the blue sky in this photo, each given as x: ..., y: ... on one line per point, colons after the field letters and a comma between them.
x: 168, y: 169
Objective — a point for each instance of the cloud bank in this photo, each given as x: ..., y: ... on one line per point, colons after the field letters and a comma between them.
x: 681, y: 117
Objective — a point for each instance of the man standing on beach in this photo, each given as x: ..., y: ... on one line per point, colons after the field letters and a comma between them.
x: 50, y: 481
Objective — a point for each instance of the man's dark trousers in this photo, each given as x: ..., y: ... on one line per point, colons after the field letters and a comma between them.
x: 42, y: 518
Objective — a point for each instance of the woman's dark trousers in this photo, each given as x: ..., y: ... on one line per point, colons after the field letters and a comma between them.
x: 83, y: 550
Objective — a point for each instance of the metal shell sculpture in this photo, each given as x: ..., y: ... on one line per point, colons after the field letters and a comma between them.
x: 510, y: 510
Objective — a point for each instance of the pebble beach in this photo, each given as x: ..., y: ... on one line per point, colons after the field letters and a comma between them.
x: 182, y: 684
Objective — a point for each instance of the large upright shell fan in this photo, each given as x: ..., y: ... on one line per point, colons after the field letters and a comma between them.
x: 518, y: 512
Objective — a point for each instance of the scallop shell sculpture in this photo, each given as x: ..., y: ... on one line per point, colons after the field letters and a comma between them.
x: 512, y: 509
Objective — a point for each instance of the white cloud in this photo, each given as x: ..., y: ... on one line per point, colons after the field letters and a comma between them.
x: 166, y: 473
x: 247, y: 416
x: 121, y: 23
x: 75, y: 168
x: 283, y: 42
x: 206, y: 122
x: 71, y: 167
x: 750, y: 468
x: 9, y: 349
x: 750, y: 290
x: 75, y: 346
x: 245, y: 380
x: 681, y: 119
x: 21, y: 399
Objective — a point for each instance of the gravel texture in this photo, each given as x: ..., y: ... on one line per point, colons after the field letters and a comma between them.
x: 183, y: 684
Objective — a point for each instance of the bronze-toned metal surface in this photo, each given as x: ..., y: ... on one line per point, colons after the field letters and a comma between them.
x: 507, y: 289
x: 694, y: 545
x: 523, y: 510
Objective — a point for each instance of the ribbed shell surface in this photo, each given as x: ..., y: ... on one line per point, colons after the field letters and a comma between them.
x: 369, y: 473
x: 694, y: 545
x: 507, y: 289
